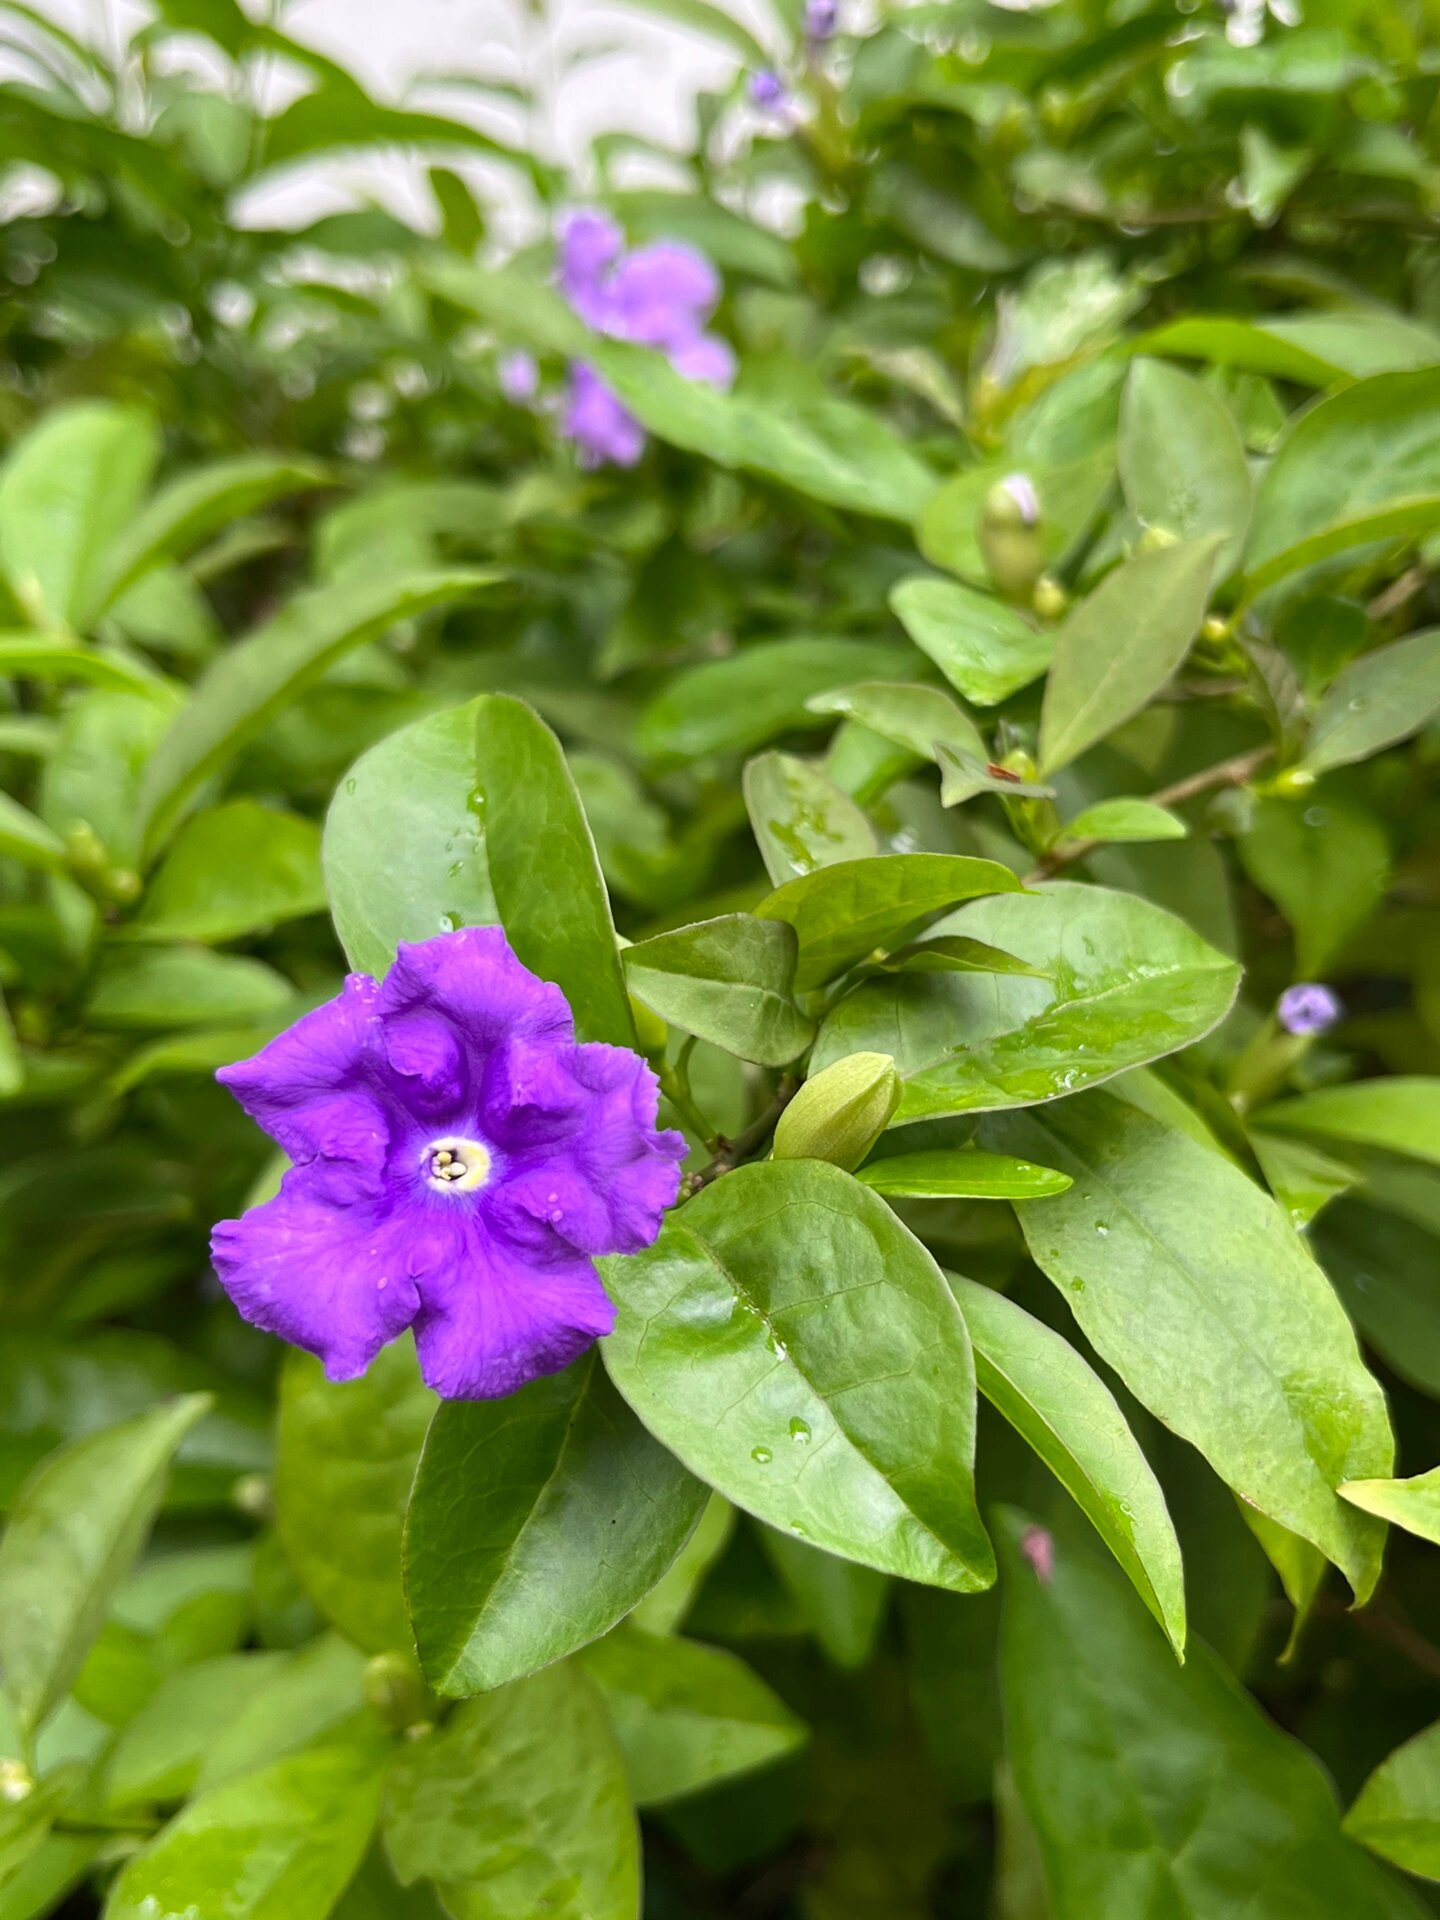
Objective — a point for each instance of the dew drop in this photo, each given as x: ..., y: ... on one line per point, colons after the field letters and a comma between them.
x: 798, y: 1530
x: 800, y: 1431
x: 1077, y: 1286
x: 1102, y: 1227
x: 449, y: 922
x: 350, y: 785
x: 762, y: 1456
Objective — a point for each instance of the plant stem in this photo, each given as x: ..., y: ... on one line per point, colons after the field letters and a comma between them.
x: 730, y: 1153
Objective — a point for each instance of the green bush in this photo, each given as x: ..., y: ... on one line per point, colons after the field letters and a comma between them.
x: 960, y: 735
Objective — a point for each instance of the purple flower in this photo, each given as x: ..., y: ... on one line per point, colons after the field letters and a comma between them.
x: 768, y: 91
x: 519, y: 376
x: 1308, y: 1008
x: 821, y: 20
x: 659, y: 296
x: 459, y: 1161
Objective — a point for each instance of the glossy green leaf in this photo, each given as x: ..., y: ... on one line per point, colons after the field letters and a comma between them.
x: 159, y: 1754
x: 279, y: 1844
x: 76, y: 1526
x: 800, y: 819
x: 343, y: 1470
x: 963, y: 775
x: 256, y: 679
x: 66, y: 493
x: 1182, y: 462
x: 797, y: 1348
x: 1155, y: 1788
x: 1397, y: 1812
x: 43, y: 657
x: 230, y: 871
x: 298, y: 1703
x: 1412, y: 1504
x: 842, y: 913
x: 1325, y: 865
x: 1190, y: 1281
x: 1060, y: 1406
x: 1125, y: 820
x: 519, y: 1805
x: 730, y: 981
x: 141, y: 988
x: 1400, y: 1114
x: 1347, y: 464
x: 1311, y: 349
x: 1379, y: 699
x: 1120, y: 645
x: 1122, y: 983
x: 740, y: 703
x: 536, y: 1523
x: 961, y: 1173
x: 687, y: 1716
x: 442, y: 825
x: 955, y: 953
x: 1302, y: 1180
x: 920, y: 719
x: 667, y: 1605
x: 985, y: 648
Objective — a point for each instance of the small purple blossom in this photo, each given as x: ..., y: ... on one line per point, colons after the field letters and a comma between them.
x: 1021, y: 489
x: 658, y: 296
x: 1308, y: 1008
x: 768, y: 91
x: 1038, y: 1546
x: 459, y: 1161
x: 821, y: 19
x: 519, y: 376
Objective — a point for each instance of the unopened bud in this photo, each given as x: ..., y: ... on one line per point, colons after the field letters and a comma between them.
x: 85, y: 851
x: 1009, y: 536
x: 1155, y: 538
x: 17, y: 1783
x: 1294, y: 780
x: 1050, y: 599
x: 253, y: 1495
x: 1214, y: 629
x: 840, y: 1114
x: 395, y: 1692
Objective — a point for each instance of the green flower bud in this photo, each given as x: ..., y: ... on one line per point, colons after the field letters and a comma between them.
x: 1292, y: 781
x: 840, y: 1114
x: 1049, y: 599
x: 1155, y: 538
x: 1009, y: 536
x: 395, y: 1692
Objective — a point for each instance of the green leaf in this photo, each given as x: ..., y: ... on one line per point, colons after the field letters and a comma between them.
x: 1122, y: 983
x: 191, y: 508
x: 280, y: 1844
x: 1193, y: 1285
x: 667, y: 1605
x: 255, y: 680
x: 1383, y: 697
x: 1060, y: 1406
x: 1302, y: 1180
x: 1120, y: 645
x: 1182, y: 462
x: 446, y: 823
x: 1401, y: 1114
x: 1413, y: 1504
x: 730, y: 981
x: 1127, y: 819
x: 26, y: 838
x: 233, y: 870
x: 954, y: 953
x: 67, y: 491
x: 842, y: 913
x: 739, y: 703
x: 1397, y: 1812
x: 840, y: 455
x: 298, y: 1704
x: 139, y: 989
x: 1324, y: 865
x: 961, y: 1173
x: 1355, y: 467
x: 920, y: 719
x: 29, y: 656
x: 963, y: 775
x: 841, y: 1603
x: 791, y: 1342
x: 985, y: 648
x: 344, y: 1465
x: 1155, y: 1788
x: 713, y: 22
x: 518, y: 1805
x: 686, y: 1716
x: 536, y: 1523
x: 800, y: 819
x: 1311, y: 349
x: 160, y: 1752
x: 77, y: 1525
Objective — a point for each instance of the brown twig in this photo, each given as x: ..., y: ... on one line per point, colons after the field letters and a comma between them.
x: 729, y: 1153
x: 1228, y: 773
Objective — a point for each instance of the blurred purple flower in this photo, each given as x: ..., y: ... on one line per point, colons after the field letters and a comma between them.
x: 459, y: 1160
x: 768, y: 91
x: 821, y: 20
x: 1021, y: 489
x: 1038, y: 1546
x: 519, y: 376
x: 1308, y: 1008
x: 658, y: 296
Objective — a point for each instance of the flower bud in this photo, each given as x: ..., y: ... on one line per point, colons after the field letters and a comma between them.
x: 1009, y: 536
x: 17, y: 1783
x: 1050, y: 599
x: 1154, y: 539
x: 840, y: 1114
x: 395, y: 1692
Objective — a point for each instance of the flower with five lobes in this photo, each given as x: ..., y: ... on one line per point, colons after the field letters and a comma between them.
x: 459, y: 1161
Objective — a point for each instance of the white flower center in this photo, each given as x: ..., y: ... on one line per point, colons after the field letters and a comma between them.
x: 456, y: 1165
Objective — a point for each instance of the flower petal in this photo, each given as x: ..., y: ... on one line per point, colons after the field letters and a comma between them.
x: 662, y: 293
x: 472, y: 981
x: 489, y: 1324
x: 309, y: 1087
x: 336, y: 1281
